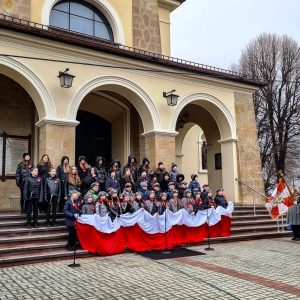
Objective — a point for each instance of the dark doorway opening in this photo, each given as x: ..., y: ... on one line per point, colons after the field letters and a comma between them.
x: 93, y: 137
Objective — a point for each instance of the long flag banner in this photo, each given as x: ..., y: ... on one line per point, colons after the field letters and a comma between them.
x: 280, y: 200
x: 141, y: 231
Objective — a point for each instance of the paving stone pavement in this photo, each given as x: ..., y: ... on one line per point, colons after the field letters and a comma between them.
x: 262, y: 269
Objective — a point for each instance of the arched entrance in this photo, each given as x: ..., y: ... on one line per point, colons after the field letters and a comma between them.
x: 125, y: 106
x: 219, y: 129
x: 93, y: 136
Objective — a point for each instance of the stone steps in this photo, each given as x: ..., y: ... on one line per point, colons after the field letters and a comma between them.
x: 19, y: 245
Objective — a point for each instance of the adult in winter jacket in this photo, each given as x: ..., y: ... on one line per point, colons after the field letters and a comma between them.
x: 44, y: 167
x: 73, y: 181
x: 293, y: 218
x: 127, y: 178
x: 220, y: 198
x: 101, y: 171
x: 116, y: 166
x: 112, y: 182
x: 72, y: 212
x: 88, y: 180
x: 62, y: 174
x: 132, y: 165
x: 22, y: 172
x: 145, y: 166
x: 194, y: 184
x: 83, y: 167
x: 52, y: 190
x: 33, y: 195
x: 165, y: 182
x: 159, y: 172
x: 173, y: 173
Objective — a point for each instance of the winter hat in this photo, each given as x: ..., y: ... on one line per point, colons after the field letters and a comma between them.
x: 138, y: 193
x: 219, y: 190
x: 151, y: 192
x: 71, y: 192
x: 143, y: 184
x: 187, y: 191
x: 183, y: 182
x: 205, y: 185
x: 196, y: 192
x: 82, y: 157
x: 173, y: 165
x: 193, y: 176
x: 94, y: 184
x: 163, y: 194
x: 171, y: 183
x: 127, y: 185
x: 160, y: 163
x: 25, y: 154
x: 174, y: 192
x: 102, y: 194
x: 87, y: 196
x: 155, y: 184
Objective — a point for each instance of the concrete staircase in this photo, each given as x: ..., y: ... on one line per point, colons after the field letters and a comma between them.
x: 19, y: 245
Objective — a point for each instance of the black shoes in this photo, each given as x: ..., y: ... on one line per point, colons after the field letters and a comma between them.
x: 35, y: 225
x: 28, y: 226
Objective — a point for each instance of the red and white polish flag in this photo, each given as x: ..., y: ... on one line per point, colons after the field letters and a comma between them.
x: 280, y: 200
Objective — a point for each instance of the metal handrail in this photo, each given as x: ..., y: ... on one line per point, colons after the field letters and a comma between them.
x: 254, y: 190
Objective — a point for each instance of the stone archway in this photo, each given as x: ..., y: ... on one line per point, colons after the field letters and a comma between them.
x: 219, y: 128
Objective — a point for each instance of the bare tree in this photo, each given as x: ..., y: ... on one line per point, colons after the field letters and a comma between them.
x: 276, y: 60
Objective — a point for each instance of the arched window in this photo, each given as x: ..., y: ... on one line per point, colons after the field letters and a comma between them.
x: 81, y: 17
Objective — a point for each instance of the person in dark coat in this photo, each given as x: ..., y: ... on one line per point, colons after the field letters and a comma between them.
x: 73, y: 181
x: 62, y: 174
x: 101, y: 171
x: 83, y: 167
x: 44, y: 167
x: 143, y: 178
x: 182, y: 188
x: 88, y: 180
x: 220, y: 198
x: 112, y: 182
x: 179, y: 178
x: 165, y: 182
x: 132, y: 165
x: 293, y: 218
x: 150, y: 206
x: 145, y: 166
x: 173, y: 173
x: 144, y: 190
x: 114, y: 204
x: 72, y: 212
x: 159, y: 172
x: 205, y: 197
x: 127, y: 178
x: 198, y: 203
x: 171, y: 187
x: 22, y: 172
x: 116, y: 166
x: 52, y: 190
x: 194, y: 184
x: 33, y: 195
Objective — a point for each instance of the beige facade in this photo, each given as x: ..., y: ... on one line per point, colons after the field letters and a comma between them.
x: 127, y: 92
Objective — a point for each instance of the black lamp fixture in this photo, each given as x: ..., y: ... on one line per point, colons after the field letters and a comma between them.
x: 171, y: 97
x: 65, y: 78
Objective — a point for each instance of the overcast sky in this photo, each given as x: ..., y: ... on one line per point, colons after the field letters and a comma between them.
x: 214, y: 32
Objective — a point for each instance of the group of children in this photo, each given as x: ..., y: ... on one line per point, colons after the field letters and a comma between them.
x: 84, y: 189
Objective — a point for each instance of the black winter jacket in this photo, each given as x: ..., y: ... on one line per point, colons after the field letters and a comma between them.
x: 51, y: 188
x: 221, y: 201
x: 33, y: 188
x: 22, y: 172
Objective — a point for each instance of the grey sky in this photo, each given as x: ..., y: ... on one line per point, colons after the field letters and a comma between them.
x: 214, y: 32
